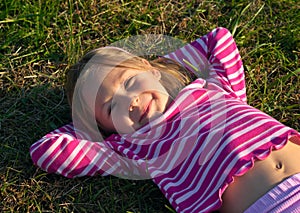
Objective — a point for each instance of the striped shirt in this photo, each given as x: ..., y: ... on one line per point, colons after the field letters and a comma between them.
x: 192, y: 152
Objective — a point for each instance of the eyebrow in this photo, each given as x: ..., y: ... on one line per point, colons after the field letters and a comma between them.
x: 122, y: 78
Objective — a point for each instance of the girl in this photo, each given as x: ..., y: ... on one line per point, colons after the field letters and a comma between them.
x: 203, y: 145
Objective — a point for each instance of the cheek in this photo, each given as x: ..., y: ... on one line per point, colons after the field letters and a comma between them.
x: 120, y: 117
x: 98, y: 116
x: 122, y: 123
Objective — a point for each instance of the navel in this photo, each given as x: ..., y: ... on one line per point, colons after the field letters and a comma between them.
x: 279, y: 165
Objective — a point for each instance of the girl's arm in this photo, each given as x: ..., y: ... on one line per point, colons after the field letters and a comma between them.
x: 61, y: 152
x: 216, y: 58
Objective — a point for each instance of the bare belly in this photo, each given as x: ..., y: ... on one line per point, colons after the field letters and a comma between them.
x: 266, y: 174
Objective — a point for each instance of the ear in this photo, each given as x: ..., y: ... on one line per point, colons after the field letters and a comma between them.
x: 156, y: 73
x: 146, y: 62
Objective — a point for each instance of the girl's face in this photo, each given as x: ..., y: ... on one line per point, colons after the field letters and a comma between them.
x: 128, y: 99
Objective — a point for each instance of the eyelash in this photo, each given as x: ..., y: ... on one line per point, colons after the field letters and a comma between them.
x: 127, y: 82
x: 110, y: 108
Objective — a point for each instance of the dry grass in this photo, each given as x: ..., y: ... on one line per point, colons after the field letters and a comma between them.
x: 40, y: 39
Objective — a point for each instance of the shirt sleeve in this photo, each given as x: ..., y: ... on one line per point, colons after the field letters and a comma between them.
x: 62, y: 153
x: 215, y: 57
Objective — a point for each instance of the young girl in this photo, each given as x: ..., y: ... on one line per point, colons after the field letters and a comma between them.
x: 202, y: 144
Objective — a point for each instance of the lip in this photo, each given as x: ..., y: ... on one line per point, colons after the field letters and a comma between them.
x: 146, y: 111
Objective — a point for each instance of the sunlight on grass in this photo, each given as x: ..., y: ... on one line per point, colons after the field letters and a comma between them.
x: 41, y: 39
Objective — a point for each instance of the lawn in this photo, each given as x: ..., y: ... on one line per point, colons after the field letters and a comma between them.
x: 40, y: 39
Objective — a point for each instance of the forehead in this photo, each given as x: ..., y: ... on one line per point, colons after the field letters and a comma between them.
x: 116, y: 76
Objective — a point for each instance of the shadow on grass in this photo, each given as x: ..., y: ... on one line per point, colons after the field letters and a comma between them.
x: 27, y: 116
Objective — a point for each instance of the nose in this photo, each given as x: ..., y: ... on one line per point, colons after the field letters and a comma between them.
x: 134, y: 103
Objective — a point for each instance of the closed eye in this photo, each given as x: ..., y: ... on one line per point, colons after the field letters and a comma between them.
x: 109, y: 110
x: 129, y: 82
x: 110, y: 107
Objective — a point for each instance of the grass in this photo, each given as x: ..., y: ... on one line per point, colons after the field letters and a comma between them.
x: 40, y: 39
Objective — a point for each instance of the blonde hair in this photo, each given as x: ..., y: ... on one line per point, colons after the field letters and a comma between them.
x: 173, y: 76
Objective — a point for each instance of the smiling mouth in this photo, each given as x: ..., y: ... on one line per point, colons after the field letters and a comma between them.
x: 146, y: 111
